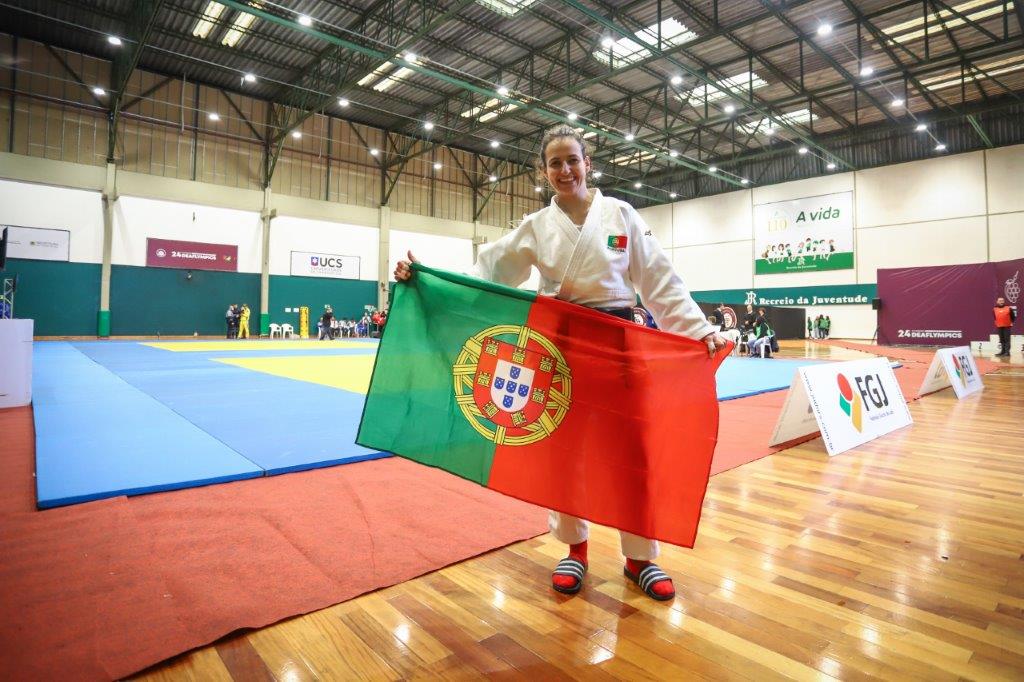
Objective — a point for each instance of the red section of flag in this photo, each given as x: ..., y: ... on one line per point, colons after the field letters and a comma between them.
x: 617, y: 242
x: 634, y: 450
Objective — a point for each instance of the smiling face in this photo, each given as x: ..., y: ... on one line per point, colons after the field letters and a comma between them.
x: 566, y: 167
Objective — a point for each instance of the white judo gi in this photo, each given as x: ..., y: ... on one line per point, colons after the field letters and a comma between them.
x: 594, y: 266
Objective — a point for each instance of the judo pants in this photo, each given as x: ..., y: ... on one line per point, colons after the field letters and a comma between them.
x: 572, y: 530
x: 243, y: 330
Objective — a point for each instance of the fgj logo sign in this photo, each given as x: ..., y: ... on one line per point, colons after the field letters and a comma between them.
x: 854, y: 402
x: 961, y: 370
x: 849, y: 402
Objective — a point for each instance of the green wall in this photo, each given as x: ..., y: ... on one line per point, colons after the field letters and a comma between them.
x: 151, y: 301
x: 346, y: 296
x: 61, y: 297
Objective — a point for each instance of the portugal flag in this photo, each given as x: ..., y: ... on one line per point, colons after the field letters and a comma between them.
x: 547, y: 401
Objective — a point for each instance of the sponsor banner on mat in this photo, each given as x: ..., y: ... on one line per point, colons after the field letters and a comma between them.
x: 852, y: 403
x: 316, y: 264
x: 804, y: 235
x: 172, y: 253
x: 953, y: 367
x: 37, y: 243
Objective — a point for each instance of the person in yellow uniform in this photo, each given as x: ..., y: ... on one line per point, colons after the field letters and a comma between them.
x: 243, y: 322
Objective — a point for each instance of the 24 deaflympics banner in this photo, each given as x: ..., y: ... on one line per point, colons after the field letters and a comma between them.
x: 316, y: 264
x: 952, y: 367
x: 851, y: 403
x: 804, y: 235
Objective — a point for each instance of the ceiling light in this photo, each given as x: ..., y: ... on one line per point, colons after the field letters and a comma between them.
x: 213, y: 116
x: 866, y: 71
x: 830, y: 165
x: 411, y: 57
x: 769, y: 131
x: 940, y: 147
x: 607, y: 43
x: 638, y: 185
x: 538, y: 188
x: 572, y: 116
x: 712, y: 169
x: 597, y: 174
x: 676, y: 80
x: 897, y: 102
x: 630, y: 137
x: 428, y: 126
x: 921, y: 127
x: 495, y: 144
x: 114, y: 40
x: 503, y: 91
x: 730, y: 108
x: 673, y: 153
x: 305, y: 21
x: 249, y: 78
x: 296, y: 134
x: 374, y: 152
x: 824, y: 29
x: 744, y: 181
x: 803, y: 150
x: 492, y: 178
x: 437, y: 165
x: 99, y: 92
x: 342, y: 102
x: 672, y: 195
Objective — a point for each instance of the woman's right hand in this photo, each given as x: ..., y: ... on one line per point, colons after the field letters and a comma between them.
x: 403, y: 271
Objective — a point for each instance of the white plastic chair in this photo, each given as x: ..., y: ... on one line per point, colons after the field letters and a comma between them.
x: 275, y: 329
x: 287, y: 331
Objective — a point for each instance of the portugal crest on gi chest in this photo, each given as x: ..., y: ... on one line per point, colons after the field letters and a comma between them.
x: 512, y: 384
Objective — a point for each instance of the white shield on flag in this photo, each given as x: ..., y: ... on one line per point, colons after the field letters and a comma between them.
x: 511, y: 386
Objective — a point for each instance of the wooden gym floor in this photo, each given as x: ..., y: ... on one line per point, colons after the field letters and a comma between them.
x: 899, y: 560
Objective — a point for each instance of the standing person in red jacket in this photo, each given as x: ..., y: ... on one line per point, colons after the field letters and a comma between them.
x: 1005, y: 316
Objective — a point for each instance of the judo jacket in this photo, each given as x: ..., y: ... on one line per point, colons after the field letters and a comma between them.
x: 604, y: 264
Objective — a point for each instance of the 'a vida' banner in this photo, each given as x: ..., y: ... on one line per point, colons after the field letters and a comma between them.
x: 172, y: 253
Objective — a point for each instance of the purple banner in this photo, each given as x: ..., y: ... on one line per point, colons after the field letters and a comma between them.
x: 945, y: 305
x: 171, y: 253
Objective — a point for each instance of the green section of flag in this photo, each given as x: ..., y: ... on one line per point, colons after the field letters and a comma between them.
x: 837, y: 261
x: 412, y: 387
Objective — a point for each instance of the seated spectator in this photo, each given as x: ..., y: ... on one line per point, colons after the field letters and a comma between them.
x: 761, y: 337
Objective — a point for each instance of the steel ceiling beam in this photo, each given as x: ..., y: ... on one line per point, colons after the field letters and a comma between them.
x: 137, y: 31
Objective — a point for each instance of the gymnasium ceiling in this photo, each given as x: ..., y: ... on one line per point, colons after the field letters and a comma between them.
x: 678, y: 98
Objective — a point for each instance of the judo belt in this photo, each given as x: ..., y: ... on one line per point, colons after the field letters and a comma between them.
x: 622, y: 313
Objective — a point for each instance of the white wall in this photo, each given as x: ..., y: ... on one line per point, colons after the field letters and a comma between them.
x: 447, y: 253
x: 78, y: 211
x: 964, y: 208
x: 288, y: 234
x: 136, y: 219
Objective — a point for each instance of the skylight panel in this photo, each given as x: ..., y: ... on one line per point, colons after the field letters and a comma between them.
x: 626, y: 159
x: 376, y: 73
x: 494, y: 101
x: 740, y: 84
x: 628, y: 51
x: 992, y: 68
x: 763, y: 125
x: 975, y: 10
x: 240, y: 25
x: 509, y: 8
x: 208, y: 20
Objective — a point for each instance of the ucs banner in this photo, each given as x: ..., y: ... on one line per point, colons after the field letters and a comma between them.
x: 804, y: 235
x: 171, y: 253
x: 331, y: 265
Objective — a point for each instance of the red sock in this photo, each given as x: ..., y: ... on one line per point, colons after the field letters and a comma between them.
x: 578, y: 552
x: 662, y: 587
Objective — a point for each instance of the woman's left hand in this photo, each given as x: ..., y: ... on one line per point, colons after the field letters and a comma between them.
x: 715, y: 342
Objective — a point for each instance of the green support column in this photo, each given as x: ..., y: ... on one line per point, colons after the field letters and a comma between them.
x: 266, y: 215
x: 383, y: 254
x: 109, y: 200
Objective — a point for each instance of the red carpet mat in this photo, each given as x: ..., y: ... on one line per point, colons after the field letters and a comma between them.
x: 105, y: 589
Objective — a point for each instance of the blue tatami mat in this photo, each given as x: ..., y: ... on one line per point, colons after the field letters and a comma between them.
x: 280, y: 424
x: 98, y: 437
x: 740, y: 377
